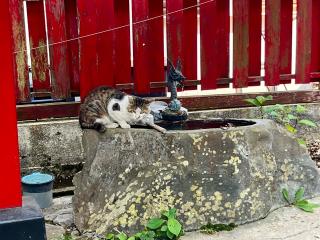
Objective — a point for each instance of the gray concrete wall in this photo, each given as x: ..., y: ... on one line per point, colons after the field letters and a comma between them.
x: 56, y: 143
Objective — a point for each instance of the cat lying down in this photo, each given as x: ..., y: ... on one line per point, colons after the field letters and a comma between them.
x: 106, y: 107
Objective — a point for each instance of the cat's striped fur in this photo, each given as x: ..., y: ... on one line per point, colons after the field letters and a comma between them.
x: 106, y: 107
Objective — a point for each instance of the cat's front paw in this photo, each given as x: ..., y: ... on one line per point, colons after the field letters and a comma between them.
x: 125, y: 125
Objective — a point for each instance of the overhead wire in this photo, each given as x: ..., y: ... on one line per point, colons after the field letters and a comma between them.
x: 116, y: 28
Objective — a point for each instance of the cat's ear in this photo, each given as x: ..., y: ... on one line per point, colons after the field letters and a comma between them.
x: 179, y: 65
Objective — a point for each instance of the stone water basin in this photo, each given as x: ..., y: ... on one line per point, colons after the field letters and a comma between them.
x: 213, y: 171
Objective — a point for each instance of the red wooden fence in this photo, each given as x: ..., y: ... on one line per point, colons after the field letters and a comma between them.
x: 98, y: 55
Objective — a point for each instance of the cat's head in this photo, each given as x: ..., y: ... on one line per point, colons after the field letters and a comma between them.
x: 139, y: 104
x: 175, y: 74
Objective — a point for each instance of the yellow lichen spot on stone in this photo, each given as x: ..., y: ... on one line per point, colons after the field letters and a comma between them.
x: 133, y: 211
x: 180, y: 157
x: 244, y: 193
x: 228, y: 205
x: 238, y: 203
x: 235, y: 161
x: 123, y: 220
x: 167, y: 177
x: 185, y: 163
x: 218, y: 196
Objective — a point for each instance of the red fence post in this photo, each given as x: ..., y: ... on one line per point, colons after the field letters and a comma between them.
x: 147, y: 44
x: 214, y: 31
x: 39, y: 55
x: 255, y: 23
x: 96, y: 50
x: 182, y: 35
x: 20, y: 69
x: 59, y: 61
x: 304, y: 36
x: 315, y: 53
x: 10, y: 185
x: 240, y: 43
x: 286, y: 38
x: 122, y: 61
x: 73, y: 46
x: 273, y: 29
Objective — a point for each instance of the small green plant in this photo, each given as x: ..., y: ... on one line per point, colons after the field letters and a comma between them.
x: 66, y: 236
x: 167, y: 227
x: 213, y: 228
x: 259, y: 102
x: 291, y: 117
x: 299, y: 201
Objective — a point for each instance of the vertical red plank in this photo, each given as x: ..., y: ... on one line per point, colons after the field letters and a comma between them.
x: 240, y: 43
x: 315, y: 53
x: 304, y: 33
x: 73, y: 46
x: 189, y: 36
x: 214, y: 32
x: 182, y: 35
x: 147, y: 44
x: 20, y: 67
x: 286, y: 38
x: 59, y: 61
x: 273, y: 32
x: 122, y: 62
x: 10, y: 185
x: 255, y: 25
x: 39, y: 55
x: 105, y: 21
x: 88, y: 62
x: 174, y: 29
x: 96, y: 67
x: 156, y: 45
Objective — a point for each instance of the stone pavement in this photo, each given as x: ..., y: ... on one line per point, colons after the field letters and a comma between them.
x: 286, y: 223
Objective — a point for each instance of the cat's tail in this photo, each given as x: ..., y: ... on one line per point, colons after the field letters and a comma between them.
x: 96, y: 126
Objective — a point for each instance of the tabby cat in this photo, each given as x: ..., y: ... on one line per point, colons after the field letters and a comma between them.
x: 107, y: 107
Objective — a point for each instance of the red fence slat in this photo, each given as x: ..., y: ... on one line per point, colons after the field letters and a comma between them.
x: 105, y: 21
x: 286, y: 38
x: 182, y: 35
x: 214, y: 32
x: 273, y: 32
x: 122, y: 62
x: 156, y: 45
x: 88, y: 61
x: 315, y: 60
x: 255, y: 24
x: 20, y: 67
x: 59, y: 61
x: 39, y: 56
x: 96, y: 66
x: 10, y: 180
x: 73, y: 46
x: 189, y: 36
x: 240, y: 43
x: 147, y: 44
x: 304, y: 31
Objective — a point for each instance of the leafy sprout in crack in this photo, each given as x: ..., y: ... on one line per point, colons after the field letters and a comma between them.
x: 165, y: 227
x: 298, y: 201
